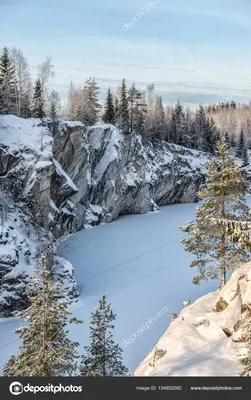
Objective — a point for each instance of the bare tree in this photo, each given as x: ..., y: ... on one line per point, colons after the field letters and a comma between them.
x: 23, y: 82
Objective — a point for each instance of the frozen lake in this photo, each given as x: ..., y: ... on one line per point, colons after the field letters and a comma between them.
x: 139, y: 262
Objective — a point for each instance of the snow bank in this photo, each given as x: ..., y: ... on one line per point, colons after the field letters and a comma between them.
x: 203, y: 341
x: 18, y: 133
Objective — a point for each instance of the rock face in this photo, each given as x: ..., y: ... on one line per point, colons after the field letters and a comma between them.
x: 118, y: 174
x: 27, y: 175
x: 207, y: 338
x: 63, y: 176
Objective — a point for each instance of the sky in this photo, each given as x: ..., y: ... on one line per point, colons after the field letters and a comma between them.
x: 193, y: 51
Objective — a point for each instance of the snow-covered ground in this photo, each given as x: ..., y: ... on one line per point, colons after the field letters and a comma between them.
x: 207, y: 337
x: 139, y: 263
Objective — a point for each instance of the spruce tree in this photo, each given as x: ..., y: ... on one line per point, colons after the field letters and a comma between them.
x: 232, y: 141
x: 37, y: 106
x: 90, y: 107
x: 140, y: 115
x: 203, y: 131
x: 134, y: 96
x: 116, y: 110
x: 223, y: 197
x: 215, y: 134
x: 46, y: 349
x: 178, y: 115
x: 103, y: 357
x: 241, y: 146
x: 227, y: 140
x: 124, y: 109
x: 109, y: 115
x: 8, y: 89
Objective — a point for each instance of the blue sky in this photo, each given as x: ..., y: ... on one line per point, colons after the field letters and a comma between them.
x: 193, y: 51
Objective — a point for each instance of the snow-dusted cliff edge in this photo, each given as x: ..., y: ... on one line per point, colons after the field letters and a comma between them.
x: 119, y: 174
x: 55, y: 178
x: 207, y: 337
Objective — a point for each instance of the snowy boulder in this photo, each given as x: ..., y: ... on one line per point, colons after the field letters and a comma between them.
x: 160, y: 353
x: 201, y: 321
x: 227, y: 294
x: 238, y: 285
x: 173, y: 316
x: 186, y: 303
x: 8, y: 255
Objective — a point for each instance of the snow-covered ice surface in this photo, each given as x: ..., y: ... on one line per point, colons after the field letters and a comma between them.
x: 139, y: 263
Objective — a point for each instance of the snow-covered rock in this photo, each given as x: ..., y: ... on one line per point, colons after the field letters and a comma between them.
x: 203, y: 341
x: 29, y: 217
x: 122, y: 174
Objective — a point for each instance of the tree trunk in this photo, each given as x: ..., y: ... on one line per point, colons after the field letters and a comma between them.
x: 223, y: 237
x: 223, y: 260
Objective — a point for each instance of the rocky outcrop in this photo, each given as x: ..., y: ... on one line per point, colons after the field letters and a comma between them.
x: 117, y: 174
x: 28, y: 226
x: 236, y: 297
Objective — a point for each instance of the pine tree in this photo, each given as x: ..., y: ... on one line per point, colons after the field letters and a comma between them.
x: 8, y: 92
x: 223, y: 197
x: 37, y: 106
x: 241, y: 146
x: 104, y: 357
x: 109, y: 115
x: 46, y: 349
x: 124, y: 110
